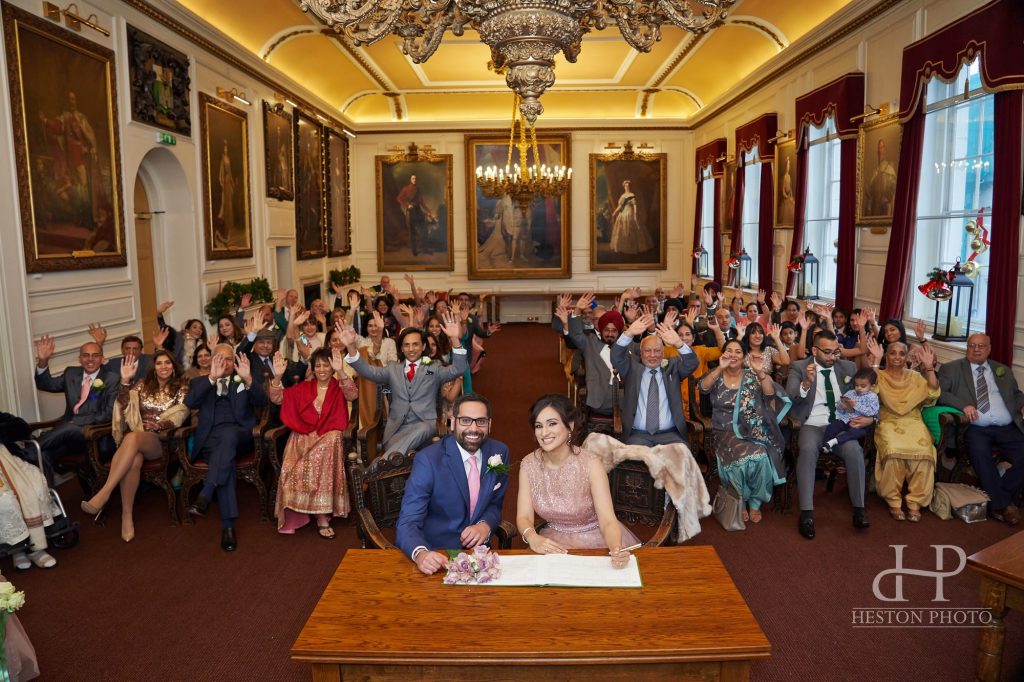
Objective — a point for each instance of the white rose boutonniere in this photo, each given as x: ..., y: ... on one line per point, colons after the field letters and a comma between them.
x: 497, y: 465
x: 425, y: 360
x: 664, y: 364
x: 99, y: 384
x: 237, y: 379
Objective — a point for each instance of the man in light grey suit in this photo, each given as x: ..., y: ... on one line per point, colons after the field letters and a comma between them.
x: 414, y: 381
x: 89, y: 394
x: 652, y: 403
x: 987, y: 393
x: 815, y: 386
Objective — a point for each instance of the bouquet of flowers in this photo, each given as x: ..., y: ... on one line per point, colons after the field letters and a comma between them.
x: 478, y: 568
x: 10, y: 601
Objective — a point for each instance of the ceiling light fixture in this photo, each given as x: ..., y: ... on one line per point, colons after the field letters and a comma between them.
x: 524, y: 35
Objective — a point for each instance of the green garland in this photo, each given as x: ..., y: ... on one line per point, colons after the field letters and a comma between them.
x: 349, y: 275
x: 230, y: 295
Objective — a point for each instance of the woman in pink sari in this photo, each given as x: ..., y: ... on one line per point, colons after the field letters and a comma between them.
x: 313, y: 469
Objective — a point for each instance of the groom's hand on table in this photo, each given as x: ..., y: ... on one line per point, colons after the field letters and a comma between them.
x: 475, y: 534
x: 430, y: 562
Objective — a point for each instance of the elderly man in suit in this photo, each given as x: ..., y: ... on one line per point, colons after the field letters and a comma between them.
x: 454, y: 494
x: 414, y: 381
x: 987, y: 393
x: 815, y: 385
x: 225, y: 400
x: 652, y: 403
x: 89, y: 393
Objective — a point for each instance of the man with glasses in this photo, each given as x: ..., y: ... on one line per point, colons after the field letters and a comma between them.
x: 987, y: 393
x: 454, y: 494
x: 815, y: 386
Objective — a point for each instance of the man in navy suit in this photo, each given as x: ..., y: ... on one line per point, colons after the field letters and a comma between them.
x: 225, y: 401
x: 453, y: 496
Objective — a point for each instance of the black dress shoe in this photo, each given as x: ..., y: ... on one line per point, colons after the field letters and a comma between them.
x: 228, y: 541
x: 807, y: 525
x: 198, y: 508
x: 860, y: 518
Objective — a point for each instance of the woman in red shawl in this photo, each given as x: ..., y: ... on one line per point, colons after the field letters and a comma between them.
x: 313, y: 470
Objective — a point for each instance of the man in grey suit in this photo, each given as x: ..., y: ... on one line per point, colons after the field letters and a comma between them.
x: 987, y: 393
x: 652, y: 403
x: 414, y: 381
x: 602, y: 388
x: 815, y: 386
x: 89, y: 394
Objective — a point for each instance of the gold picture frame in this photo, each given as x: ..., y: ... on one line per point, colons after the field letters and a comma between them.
x: 537, y: 243
x: 310, y: 190
x: 414, y: 213
x: 785, y: 179
x: 339, y: 210
x: 628, y: 202
x: 876, y: 179
x: 224, y: 141
x: 66, y: 145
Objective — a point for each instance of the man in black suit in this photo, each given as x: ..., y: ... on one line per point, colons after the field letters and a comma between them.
x: 131, y: 346
x: 225, y: 401
x: 987, y: 393
x: 652, y: 403
x: 89, y: 394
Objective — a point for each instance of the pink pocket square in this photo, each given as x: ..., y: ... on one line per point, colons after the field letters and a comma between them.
x: 498, y: 485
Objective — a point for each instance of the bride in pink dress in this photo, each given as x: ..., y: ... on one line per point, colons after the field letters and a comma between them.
x: 567, y: 486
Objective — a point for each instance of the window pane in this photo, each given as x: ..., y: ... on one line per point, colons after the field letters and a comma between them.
x: 707, y: 222
x: 821, y: 226
x: 751, y: 211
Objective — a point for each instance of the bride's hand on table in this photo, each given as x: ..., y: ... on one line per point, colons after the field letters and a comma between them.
x: 543, y: 545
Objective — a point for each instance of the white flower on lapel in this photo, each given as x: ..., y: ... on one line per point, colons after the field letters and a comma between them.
x: 98, y: 384
x: 494, y: 461
x: 846, y: 380
x: 425, y: 360
x: 664, y: 364
x: 497, y: 465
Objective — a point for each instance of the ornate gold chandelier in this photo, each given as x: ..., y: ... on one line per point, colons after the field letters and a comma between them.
x: 523, y: 181
x: 524, y: 35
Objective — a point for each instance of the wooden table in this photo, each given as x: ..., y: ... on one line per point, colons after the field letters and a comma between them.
x: 379, y: 619
x: 1002, y: 587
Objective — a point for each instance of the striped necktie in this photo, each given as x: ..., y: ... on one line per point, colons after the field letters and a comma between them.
x: 653, y: 404
x: 982, y: 391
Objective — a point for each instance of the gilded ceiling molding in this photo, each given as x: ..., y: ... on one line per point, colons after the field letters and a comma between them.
x: 678, y: 59
x: 763, y: 27
x: 230, y: 59
x: 392, y: 130
x: 359, y: 58
x: 397, y: 103
x: 839, y: 34
x: 645, y: 99
x: 283, y: 36
x: 685, y: 91
x: 356, y: 97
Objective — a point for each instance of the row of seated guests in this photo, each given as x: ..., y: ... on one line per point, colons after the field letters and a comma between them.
x: 834, y: 394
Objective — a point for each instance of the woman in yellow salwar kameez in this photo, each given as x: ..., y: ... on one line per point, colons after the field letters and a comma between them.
x: 904, y: 446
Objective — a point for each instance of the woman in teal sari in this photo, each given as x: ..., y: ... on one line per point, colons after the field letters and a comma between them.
x: 746, y: 409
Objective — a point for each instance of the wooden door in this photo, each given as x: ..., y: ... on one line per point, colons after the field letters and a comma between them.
x: 144, y: 262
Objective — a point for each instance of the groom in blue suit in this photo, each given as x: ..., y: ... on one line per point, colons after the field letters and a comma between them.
x: 453, y: 497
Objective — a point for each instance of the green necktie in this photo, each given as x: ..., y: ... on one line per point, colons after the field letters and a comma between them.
x: 830, y: 396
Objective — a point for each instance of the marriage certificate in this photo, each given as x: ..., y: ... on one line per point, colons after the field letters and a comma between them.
x: 566, y: 570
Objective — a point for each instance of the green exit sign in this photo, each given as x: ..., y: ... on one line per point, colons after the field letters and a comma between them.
x: 166, y: 138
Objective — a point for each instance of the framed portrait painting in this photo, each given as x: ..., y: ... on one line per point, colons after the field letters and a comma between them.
x: 310, y: 206
x: 627, y: 212
x: 785, y: 179
x: 339, y: 232
x: 728, y: 196
x: 159, y: 83
x: 225, y: 153
x: 414, y: 216
x: 67, y: 151
x: 507, y: 240
x: 878, y: 155
x: 278, y: 150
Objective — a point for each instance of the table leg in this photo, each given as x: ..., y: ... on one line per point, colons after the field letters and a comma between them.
x: 326, y: 672
x: 990, y: 640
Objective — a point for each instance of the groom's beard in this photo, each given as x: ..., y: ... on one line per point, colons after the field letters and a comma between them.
x: 471, y: 446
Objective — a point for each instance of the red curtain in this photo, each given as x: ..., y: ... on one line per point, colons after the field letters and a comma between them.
x: 845, y: 272
x: 1006, y: 215
x: 800, y: 206
x: 766, y: 232
x: 697, y: 219
x: 904, y: 219
x: 716, y: 257
x: 737, y: 217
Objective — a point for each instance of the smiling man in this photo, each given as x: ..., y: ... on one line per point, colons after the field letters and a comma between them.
x: 454, y: 494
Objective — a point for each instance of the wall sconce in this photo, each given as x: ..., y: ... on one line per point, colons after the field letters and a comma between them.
x: 72, y: 19
x: 782, y: 136
x: 233, y: 94
x: 869, y: 110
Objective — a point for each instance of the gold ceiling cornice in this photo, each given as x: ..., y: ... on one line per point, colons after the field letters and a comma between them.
x: 357, y: 57
x: 690, y: 47
x: 225, y: 56
x: 392, y: 130
x: 843, y: 31
x: 760, y: 28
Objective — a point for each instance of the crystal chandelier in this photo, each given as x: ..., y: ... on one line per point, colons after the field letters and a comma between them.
x: 524, y: 35
x: 523, y: 181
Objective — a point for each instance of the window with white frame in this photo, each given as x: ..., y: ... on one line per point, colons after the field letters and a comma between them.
x: 707, y: 220
x: 821, y: 216
x: 956, y: 187
x: 751, y: 211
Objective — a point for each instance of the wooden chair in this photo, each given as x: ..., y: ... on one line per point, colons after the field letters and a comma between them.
x: 377, y: 492
x: 637, y: 501
x: 247, y: 466
x: 154, y: 471
x: 76, y: 462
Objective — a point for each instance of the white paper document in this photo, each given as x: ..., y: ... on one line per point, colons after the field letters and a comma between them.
x: 566, y: 570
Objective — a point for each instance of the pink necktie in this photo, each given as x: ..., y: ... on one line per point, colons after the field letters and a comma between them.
x: 474, y: 484
x: 86, y: 384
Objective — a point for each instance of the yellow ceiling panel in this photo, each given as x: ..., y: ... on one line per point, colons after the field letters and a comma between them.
x: 335, y: 78
x: 387, y: 56
x: 561, y: 104
x: 599, y: 60
x: 370, y: 109
x: 460, y: 61
x: 723, y: 58
x: 669, y: 104
x: 459, y: 106
x: 259, y: 21
x: 648, y: 65
x: 794, y: 19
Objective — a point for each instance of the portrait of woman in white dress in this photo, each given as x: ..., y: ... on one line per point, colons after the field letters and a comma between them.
x: 628, y: 236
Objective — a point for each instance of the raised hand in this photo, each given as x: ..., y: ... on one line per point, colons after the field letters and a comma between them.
x: 761, y: 296
x: 164, y: 307
x: 218, y: 367
x: 874, y: 350
x: 337, y: 362
x: 803, y: 321
x: 97, y: 332
x: 705, y: 296
x: 774, y: 332
x: 430, y: 297
x: 919, y: 329
x: 159, y: 336
x: 640, y: 325
x: 712, y: 322
x: 721, y: 299
x: 279, y: 365
x: 353, y: 300
x: 562, y: 313
x: 451, y: 327
x: 347, y: 335
x: 242, y: 367
x: 279, y: 296
x: 585, y: 300
x: 927, y: 358
x: 631, y: 312
x: 252, y: 325
x: 671, y: 316
x: 810, y: 372
x: 44, y: 349
x: 756, y: 363
x: 677, y: 290
x: 299, y: 318
x: 246, y: 301
x: 319, y: 315
x: 564, y: 301
x: 776, y: 300
x: 411, y: 281
x: 129, y: 366
x: 494, y: 328
x: 669, y: 335
x: 336, y: 288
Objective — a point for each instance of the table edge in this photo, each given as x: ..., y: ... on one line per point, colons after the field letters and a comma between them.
x: 516, y: 659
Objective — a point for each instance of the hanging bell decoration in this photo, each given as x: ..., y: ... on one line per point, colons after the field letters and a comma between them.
x: 972, y: 227
x: 971, y: 268
x: 979, y: 245
x: 937, y: 287
x: 733, y: 263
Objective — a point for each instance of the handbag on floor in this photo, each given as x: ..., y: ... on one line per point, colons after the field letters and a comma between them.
x: 728, y: 507
x: 962, y: 501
